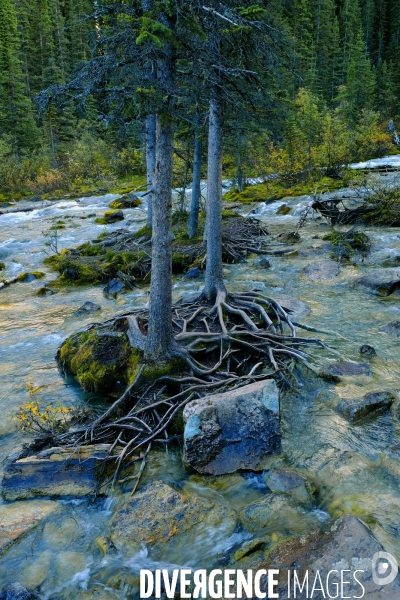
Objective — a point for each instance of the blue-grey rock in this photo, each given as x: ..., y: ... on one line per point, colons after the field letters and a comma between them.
x: 382, y: 282
x: 113, y: 288
x: 233, y: 430
x: 16, y: 591
x: 356, y: 409
x: 290, y: 483
x: 193, y: 273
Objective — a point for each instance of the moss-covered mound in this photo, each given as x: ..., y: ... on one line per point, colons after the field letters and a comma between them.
x: 127, y: 201
x: 275, y: 189
x: 100, y: 361
x: 347, y: 243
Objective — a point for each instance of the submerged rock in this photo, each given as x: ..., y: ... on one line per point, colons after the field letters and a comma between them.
x: 321, y: 270
x: 233, y: 430
x: 356, y: 409
x: 278, y: 513
x: 87, y: 308
x: 382, y: 282
x: 16, y: 520
x: 16, y: 591
x: 264, y: 263
x: 113, y: 288
x: 62, y: 471
x: 368, y: 351
x: 346, y: 368
x: 392, y: 328
x: 348, y: 546
x: 161, y: 517
x: 290, y: 483
x: 289, y: 238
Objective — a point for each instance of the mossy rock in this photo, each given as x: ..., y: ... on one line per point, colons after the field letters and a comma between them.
x: 110, y: 216
x: 126, y: 201
x: 181, y: 262
x: 2, y: 266
x: 99, y: 361
x: 30, y: 276
x: 89, y: 249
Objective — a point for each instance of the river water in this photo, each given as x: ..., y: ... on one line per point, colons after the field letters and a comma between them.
x: 345, y: 461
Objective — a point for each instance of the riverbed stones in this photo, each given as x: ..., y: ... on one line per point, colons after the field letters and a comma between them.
x: 355, y: 409
x: 290, y: 483
x: 367, y: 351
x: 16, y: 520
x: 112, y: 216
x: 382, y: 282
x: 63, y: 471
x: 86, y: 309
x: 161, y: 518
x: 321, y: 270
x: 348, y: 546
x: 234, y: 430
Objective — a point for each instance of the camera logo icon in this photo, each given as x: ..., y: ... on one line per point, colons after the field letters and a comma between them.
x: 384, y: 568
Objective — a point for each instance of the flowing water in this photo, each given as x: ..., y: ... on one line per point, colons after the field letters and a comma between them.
x: 345, y: 461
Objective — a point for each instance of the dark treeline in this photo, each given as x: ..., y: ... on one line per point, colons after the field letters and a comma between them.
x: 342, y: 52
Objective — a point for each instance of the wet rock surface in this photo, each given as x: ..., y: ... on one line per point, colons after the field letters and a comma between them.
x: 16, y: 520
x: 62, y: 471
x: 321, y: 270
x: 392, y: 328
x: 349, y: 546
x: 233, y: 430
x: 159, y: 516
x: 355, y: 409
x: 86, y: 309
x: 16, y: 591
x: 113, y: 288
x: 382, y: 282
x: 346, y: 368
x: 290, y: 483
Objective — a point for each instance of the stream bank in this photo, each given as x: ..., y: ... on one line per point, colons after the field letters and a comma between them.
x: 74, y: 550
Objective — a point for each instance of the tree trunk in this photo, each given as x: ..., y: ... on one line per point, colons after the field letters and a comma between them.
x: 160, y: 340
x: 214, y: 282
x: 160, y: 336
x: 150, y: 162
x: 196, y: 188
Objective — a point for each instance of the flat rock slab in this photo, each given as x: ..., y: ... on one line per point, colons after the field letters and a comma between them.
x: 349, y: 546
x: 16, y: 520
x: 158, y: 516
x: 62, y: 471
x: 234, y: 430
x: 356, y: 409
x: 346, y: 368
x: 321, y: 270
x: 392, y: 328
x: 382, y: 282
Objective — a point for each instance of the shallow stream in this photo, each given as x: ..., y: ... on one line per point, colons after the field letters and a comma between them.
x: 345, y: 461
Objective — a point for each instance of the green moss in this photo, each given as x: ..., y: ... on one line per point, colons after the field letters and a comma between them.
x: 276, y: 189
x: 89, y: 249
x: 229, y: 213
x: 24, y: 276
x: 143, y: 232
x: 180, y: 262
x: 152, y: 371
x: 101, y: 221
x: 2, y: 266
x: 98, y: 362
x: 349, y: 242
x: 125, y: 202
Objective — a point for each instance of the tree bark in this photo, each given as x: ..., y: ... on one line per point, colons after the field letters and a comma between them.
x: 214, y: 283
x: 196, y: 187
x: 160, y: 340
x: 150, y: 162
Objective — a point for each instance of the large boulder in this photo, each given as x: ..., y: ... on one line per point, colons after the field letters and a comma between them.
x: 348, y: 547
x: 64, y: 471
x: 161, y: 518
x: 16, y: 520
x: 233, y: 430
x: 355, y: 409
x: 382, y: 282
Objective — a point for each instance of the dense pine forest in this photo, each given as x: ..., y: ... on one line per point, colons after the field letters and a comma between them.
x: 333, y: 77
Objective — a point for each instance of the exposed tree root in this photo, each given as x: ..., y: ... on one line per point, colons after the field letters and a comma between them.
x: 241, y: 338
